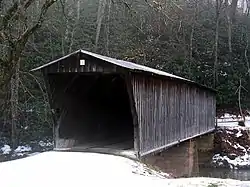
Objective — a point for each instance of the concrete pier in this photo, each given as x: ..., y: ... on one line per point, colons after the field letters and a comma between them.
x: 184, y: 159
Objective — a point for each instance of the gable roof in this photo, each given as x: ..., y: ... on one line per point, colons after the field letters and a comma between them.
x: 124, y: 64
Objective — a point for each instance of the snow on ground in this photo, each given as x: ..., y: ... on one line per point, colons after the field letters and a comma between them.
x: 239, y: 134
x: 232, y: 120
x: 32, y: 148
x: 21, y: 149
x: 6, y: 149
x: 78, y: 169
x: 234, y: 147
x: 45, y: 144
x: 205, y: 182
x: 237, y: 162
x: 230, y: 123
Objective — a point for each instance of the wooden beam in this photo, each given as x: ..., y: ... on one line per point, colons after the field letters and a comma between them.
x: 46, y: 80
x: 127, y: 79
x: 159, y: 149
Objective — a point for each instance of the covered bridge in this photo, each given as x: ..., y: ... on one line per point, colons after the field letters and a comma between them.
x: 98, y: 101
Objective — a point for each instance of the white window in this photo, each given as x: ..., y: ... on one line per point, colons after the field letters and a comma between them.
x: 82, y: 62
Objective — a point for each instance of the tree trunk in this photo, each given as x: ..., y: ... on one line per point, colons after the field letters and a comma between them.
x: 216, y: 53
x: 191, y: 38
x: 246, y: 56
x: 247, y: 42
x: 100, y: 14
x: 229, y: 25
x: 229, y: 21
x: 67, y: 34
x: 218, y: 4
x: 78, y: 9
x: 108, y: 28
x: 14, y: 85
x: 239, y: 100
x: 233, y: 9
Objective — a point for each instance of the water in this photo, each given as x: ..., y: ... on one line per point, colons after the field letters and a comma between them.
x: 186, y: 160
x: 243, y: 175
x: 205, y: 169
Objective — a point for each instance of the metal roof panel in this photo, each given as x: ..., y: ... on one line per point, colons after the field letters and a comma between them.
x: 121, y: 63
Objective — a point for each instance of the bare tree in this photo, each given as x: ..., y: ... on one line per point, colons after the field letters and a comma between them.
x: 230, y: 14
x: 108, y: 27
x: 246, y: 38
x: 15, y: 32
x: 100, y: 14
x: 229, y: 23
x: 192, y: 35
x: 217, y: 20
x: 239, y: 100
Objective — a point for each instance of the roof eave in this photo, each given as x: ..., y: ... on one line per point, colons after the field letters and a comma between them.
x: 55, y: 61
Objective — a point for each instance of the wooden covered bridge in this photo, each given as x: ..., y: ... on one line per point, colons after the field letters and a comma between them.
x: 98, y: 101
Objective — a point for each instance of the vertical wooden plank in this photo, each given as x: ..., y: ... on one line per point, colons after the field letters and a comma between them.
x: 192, y: 112
x: 165, y: 112
x: 186, y: 114
x: 142, y: 136
x: 170, y: 115
x: 146, y: 115
x: 155, y: 109
x: 129, y: 84
x: 170, y: 111
x: 178, y: 114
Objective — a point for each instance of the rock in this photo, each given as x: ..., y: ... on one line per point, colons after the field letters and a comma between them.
x: 231, y: 149
x: 241, y: 123
x: 226, y: 142
x: 232, y: 156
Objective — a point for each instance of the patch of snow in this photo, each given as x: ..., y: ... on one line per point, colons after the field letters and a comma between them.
x: 237, y: 146
x: 129, y: 153
x: 232, y: 160
x: 69, y: 168
x: 239, y: 134
x: 45, y: 144
x: 229, y: 132
x: 229, y: 120
x: 21, y: 149
x: 18, y: 154
x: 6, y: 149
x: 247, y: 122
x: 228, y: 142
x: 92, y: 169
x: 239, y: 161
x: 205, y: 182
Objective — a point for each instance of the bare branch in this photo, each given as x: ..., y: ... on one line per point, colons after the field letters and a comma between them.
x: 15, y: 10
x: 10, y: 12
x: 37, y: 81
x: 159, y: 9
x: 25, y: 36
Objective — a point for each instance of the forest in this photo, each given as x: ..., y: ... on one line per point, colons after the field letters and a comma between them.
x: 206, y: 41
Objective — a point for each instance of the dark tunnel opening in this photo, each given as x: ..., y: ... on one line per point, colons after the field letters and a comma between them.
x: 97, y: 112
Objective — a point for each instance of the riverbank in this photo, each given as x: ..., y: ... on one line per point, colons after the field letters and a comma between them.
x: 232, y: 143
x: 23, y: 150
x: 187, y: 159
x: 70, y: 168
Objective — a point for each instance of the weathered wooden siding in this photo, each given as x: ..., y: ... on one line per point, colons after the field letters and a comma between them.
x: 72, y: 65
x: 170, y: 111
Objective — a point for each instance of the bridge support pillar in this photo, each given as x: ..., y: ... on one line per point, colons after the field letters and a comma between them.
x: 184, y: 159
